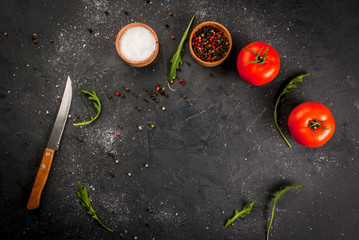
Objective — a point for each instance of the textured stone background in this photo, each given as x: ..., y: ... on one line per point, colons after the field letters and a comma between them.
x: 208, y: 154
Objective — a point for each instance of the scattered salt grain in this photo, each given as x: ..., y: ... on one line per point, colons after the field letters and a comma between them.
x: 137, y: 44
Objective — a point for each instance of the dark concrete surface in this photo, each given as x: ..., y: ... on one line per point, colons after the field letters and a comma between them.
x: 208, y: 154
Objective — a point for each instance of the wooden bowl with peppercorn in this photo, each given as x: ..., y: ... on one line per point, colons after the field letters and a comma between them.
x: 210, y: 44
x: 137, y: 44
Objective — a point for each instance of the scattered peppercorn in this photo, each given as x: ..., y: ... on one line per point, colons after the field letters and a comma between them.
x: 79, y: 139
x: 106, y: 12
x: 110, y: 96
x: 173, y: 37
x: 145, y: 89
x: 82, y: 147
x: 135, y: 95
x: 51, y: 41
x: 167, y: 26
x: 188, y: 63
x: 147, y: 225
x: 120, y: 126
x: 157, y: 101
x: 166, y: 94
x: 212, y: 75
x: 90, y: 30
x: 117, y: 94
x: 60, y: 99
x: 112, y: 174
x: 125, y: 12
x: 126, y: 89
x: 163, y: 108
x: 184, y: 96
x: 122, y: 95
x: 149, y: 210
x: 35, y: 41
x: 148, y: 1
x: 117, y: 134
x: 170, y: 13
x: 138, y: 108
x: 110, y: 154
x: 77, y: 116
x: 130, y: 174
x: 145, y: 99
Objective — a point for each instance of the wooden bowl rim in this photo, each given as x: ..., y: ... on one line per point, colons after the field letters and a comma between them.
x: 137, y: 63
x: 221, y: 28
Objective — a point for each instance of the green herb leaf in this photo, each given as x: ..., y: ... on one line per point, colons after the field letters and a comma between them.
x: 275, y: 202
x: 245, y: 210
x: 86, y: 202
x: 96, y: 103
x: 289, y: 88
x: 176, y: 59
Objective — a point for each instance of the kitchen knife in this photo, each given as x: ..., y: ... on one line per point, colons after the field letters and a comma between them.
x: 52, y: 146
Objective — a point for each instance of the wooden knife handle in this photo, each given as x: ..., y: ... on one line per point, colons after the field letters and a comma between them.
x: 41, y: 178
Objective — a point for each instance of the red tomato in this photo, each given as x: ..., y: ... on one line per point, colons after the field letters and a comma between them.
x: 258, y: 63
x: 311, y: 124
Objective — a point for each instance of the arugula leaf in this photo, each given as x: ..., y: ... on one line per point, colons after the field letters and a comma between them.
x: 289, y: 88
x: 275, y: 202
x: 86, y: 202
x: 245, y: 210
x: 96, y: 103
x: 176, y: 59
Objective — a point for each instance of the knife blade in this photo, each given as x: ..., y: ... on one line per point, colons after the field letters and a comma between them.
x: 52, y: 145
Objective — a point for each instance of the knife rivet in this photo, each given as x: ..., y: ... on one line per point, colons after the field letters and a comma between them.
x: 47, y: 154
x: 43, y: 165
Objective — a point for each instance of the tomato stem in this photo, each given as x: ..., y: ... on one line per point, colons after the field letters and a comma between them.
x: 259, y: 59
x: 314, y: 124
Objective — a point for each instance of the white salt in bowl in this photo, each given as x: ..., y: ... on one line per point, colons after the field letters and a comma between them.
x: 137, y: 44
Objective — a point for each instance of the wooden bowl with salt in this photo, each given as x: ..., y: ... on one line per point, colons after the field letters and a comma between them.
x: 137, y: 44
x: 225, y: 32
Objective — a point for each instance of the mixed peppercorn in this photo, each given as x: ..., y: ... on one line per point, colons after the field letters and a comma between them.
x: 210, y: 44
